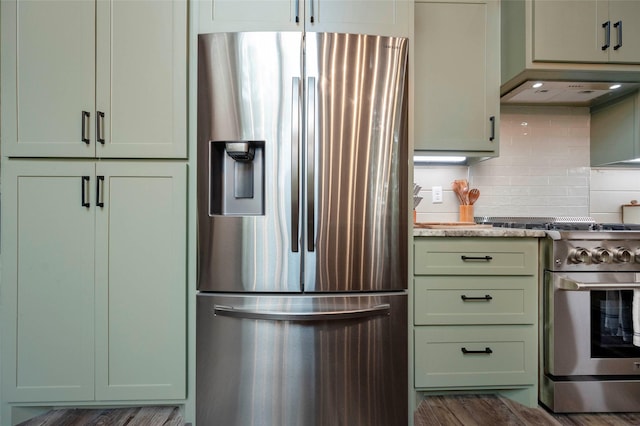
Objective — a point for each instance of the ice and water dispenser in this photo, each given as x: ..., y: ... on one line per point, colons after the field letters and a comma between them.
x: 236, y: 178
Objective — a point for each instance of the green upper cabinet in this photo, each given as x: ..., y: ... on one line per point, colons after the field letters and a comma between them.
x: 615, y: 132
x: 92, y: 78
x: 457, y: 77
x: 586, y: 31
x: 381, y: 17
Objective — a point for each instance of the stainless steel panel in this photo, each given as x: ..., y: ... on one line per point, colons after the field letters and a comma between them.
x: 590, y: 396
x: 279, y: 361
x: 357, y: 151
x: 567, y: 332
x: 245, y: 94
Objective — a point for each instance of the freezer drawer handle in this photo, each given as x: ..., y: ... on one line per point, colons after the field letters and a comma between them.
x: 230, y: 311
x: 486, y: 297
x: 476, y: 258
x: 485, y: 351
x: 566, y: 283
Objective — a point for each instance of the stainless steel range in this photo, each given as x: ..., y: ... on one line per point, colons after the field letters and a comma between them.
x: 590, y: 311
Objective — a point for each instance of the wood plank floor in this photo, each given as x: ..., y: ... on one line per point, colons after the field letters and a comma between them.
x: 132, y: 416
x: 490, y: 410
x: 458, y: 410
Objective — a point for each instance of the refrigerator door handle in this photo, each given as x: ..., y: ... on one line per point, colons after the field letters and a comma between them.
x: 295, y: 163
x: 230, y: 311
x: 311, y: 131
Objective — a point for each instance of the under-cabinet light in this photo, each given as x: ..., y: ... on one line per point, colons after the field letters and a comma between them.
x: 615, y: 86
x: 536, y: 85
x: 437, y: 159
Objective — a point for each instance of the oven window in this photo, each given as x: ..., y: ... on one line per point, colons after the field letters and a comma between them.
x: 612, y: 324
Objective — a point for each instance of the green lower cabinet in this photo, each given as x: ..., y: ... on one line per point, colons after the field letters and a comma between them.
x: 464, y: 356
x: 93, y: 303
x: 475, y: 318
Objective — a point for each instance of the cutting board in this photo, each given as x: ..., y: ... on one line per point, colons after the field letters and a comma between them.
x: 450, y: 225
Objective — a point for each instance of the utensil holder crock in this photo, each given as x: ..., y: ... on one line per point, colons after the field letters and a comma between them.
x: 466, y: 213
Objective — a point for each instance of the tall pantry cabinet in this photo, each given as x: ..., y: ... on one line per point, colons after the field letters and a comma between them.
x: 94, y: 202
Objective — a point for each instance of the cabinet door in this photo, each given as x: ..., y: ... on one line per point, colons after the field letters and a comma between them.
x: 378, y: 17
x: 626, y: 14
x: 48, y: 78
x: 457, y: 73
x: 570, y: 30
x: 141, y: 79
x: 47, y: 282
x: 141, y: 281
x: 249, y: 15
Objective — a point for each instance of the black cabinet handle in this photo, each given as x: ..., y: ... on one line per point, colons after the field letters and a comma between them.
x: 99, y: 193
x: 85, y: 127
x: 486, y: 297
x: 492, y: 119
x: 485, y: 351
x: 311, y: 11
x: 618, y: 25
x: 476, y: 258
x: 100, y: 127
x: 85, y: 187
x: 607, y: 35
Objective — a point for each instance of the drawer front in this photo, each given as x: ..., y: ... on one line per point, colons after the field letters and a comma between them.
x: 475, y: 256
x: 475, y: 300
x: 440, y: 361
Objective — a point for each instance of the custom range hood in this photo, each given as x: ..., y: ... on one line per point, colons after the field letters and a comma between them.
x: 567, y: 93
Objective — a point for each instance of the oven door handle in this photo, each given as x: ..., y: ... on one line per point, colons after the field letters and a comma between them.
x: 565, y: 283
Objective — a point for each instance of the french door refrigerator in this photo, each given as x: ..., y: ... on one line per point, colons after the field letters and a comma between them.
x: 302, y: 230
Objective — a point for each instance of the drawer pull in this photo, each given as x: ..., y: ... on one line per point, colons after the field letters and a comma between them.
x: 484, y: 298
x: 476, y: 258
x: 485, y: 351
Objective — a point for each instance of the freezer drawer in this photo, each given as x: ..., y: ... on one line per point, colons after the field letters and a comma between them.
x: 302, y: 360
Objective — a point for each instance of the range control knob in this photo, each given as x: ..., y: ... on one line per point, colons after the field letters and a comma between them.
x: 622, y: 255
x: 601, y: 255
x: 579, y: 255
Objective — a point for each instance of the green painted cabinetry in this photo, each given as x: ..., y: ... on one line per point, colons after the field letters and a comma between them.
x: 93, y: 285
x: 379, y: 17
x: 94, y: 78
x: 586, y: 31
x: 615, y: 131
x: 475, y: 315
x: 457, y: 77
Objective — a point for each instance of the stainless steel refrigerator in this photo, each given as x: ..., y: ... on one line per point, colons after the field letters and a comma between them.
x: 302, y: 230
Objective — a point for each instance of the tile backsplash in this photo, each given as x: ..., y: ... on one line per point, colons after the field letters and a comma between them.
x: 543, y: 170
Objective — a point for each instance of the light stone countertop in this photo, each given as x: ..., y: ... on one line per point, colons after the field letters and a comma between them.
x: 478, y: 232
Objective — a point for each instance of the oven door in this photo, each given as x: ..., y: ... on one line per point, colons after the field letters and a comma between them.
x: 589, y: 323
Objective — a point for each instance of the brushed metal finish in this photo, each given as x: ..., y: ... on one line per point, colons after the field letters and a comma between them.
x: 567, y: 337
x: 245, y: 93
x: 590, y: 396
x: 354, y: 160
x: 271, y: 372
x: 360, y: 162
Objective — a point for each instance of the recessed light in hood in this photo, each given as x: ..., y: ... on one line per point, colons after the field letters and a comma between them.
x: 571, y: 93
